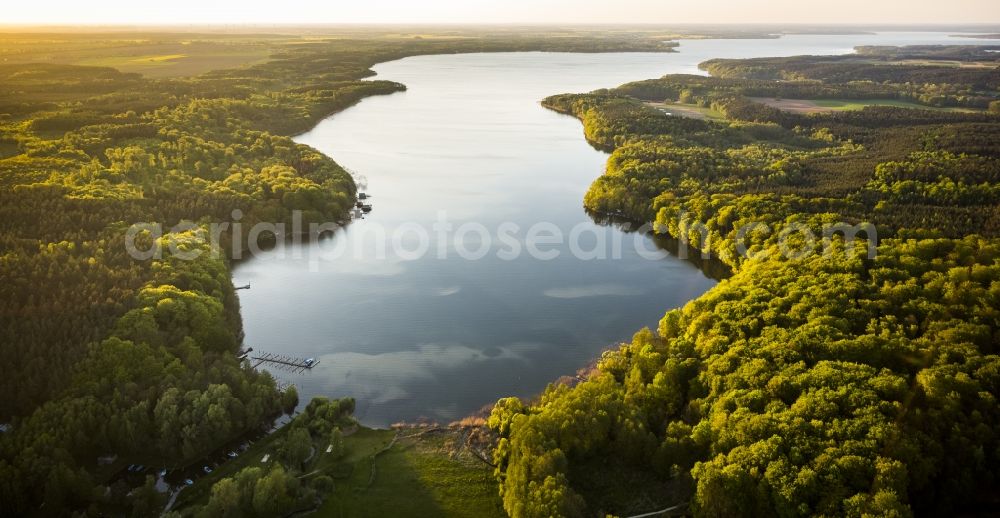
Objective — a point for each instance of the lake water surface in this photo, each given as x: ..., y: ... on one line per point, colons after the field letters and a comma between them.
x: 468, y: 146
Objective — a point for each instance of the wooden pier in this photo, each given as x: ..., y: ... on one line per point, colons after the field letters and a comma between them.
x: 295, y: 365
x: 244, y: 287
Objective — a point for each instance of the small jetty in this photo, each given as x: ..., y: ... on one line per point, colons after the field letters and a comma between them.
x: 360, y: 204
x: 295, y: 365
x: 244, y: 287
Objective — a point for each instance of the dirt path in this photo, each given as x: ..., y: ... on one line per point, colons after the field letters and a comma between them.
x: 371, y: 478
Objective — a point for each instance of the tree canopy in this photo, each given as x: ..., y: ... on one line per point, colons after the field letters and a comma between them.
x: 828, y: 384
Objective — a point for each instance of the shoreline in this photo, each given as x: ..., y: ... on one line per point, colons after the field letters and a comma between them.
x: 372, y: 76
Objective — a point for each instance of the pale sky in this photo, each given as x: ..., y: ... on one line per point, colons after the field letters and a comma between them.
x: 160, y: 12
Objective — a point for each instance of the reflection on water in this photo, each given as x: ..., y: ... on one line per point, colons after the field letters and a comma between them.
x: 710, y: 266
x: 440, y: 337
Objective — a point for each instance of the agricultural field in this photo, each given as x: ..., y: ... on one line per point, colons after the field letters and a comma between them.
x: 830, y: 105
x: 152, y: 55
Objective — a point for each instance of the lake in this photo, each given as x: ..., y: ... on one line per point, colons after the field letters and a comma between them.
x: 493, y: 281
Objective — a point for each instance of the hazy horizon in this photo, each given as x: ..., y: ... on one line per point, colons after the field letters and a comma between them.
x: 534, y: 12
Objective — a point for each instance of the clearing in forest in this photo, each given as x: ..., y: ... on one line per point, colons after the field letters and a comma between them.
x: 829, y: 105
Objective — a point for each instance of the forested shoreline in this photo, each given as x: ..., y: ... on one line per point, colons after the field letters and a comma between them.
x: 829, y: 384
x: 836, y: 384
x: 110, y: 357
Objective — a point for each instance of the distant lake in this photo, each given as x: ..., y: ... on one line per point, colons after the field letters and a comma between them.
x: 440, y: 336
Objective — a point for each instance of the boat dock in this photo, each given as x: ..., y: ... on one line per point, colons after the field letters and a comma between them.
x: 295, y: 365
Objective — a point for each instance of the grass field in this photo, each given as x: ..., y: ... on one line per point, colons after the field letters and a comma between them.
x: 828, y: 105
x: 691, y: 111
x: 418, y: 476
x: 421, y: 474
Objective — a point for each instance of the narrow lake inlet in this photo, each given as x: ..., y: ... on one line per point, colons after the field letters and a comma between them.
x: 493, y: 280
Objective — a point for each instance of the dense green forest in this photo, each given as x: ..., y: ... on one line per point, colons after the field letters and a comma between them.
x: 832, y: 384
x: 110, y: 357
x: 818, y: 384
